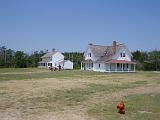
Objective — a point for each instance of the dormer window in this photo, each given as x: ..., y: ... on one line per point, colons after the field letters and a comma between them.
x: 123, y: 54
x: 89, y: 54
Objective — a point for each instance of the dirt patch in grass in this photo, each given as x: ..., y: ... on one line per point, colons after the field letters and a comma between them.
x: 18, y: 73
x: 19, y: 99
x: 118, y: 95
x: 72, y: 113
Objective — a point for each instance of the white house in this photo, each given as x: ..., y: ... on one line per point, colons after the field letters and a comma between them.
x: 55, y: 59
x: 115, y: 58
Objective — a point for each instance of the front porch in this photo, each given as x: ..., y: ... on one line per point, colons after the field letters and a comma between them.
x: 87, y: 65
x: 120, y: 66
x: 44, y: 65
x: 109, y: 66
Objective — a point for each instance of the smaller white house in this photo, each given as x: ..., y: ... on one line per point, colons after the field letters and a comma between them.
x: 66, y: 64
x: 55, y: 59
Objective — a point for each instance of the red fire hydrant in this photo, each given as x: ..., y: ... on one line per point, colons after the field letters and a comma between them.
x: 121, y: 107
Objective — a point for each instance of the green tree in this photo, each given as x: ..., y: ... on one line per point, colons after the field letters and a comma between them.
x: 20, y: 60
x: 75, y: 57
x: 2, y: 56
x: 9, y: 58
x: 34, y: 58
x: 154, y: 60
x: 147, y: 60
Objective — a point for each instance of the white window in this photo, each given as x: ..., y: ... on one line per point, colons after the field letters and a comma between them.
x: 50, y: 64
x: 89, y: 54
x: 123, y: 54
x: 99, y: 65
x: 92, y: 65
x: 118, y: 65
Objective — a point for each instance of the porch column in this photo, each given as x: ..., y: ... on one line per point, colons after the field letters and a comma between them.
x: 122, y: 67
x: 81, y: 65
x: 134, y: 67
x: 116, y: 67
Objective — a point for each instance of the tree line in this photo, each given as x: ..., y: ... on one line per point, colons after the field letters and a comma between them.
x: 75, y: 57
x: 19, y: 59
x: 147, y: 60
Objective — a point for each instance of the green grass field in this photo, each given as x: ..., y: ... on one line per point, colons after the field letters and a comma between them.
x: 39, y: 94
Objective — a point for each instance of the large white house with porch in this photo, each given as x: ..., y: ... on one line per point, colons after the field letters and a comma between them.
x: 114, y: 58
x: 55, y: 59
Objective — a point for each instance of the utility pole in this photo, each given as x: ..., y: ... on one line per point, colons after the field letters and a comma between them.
x: 4, y: 47
x: 72, y: 57
x: 5, y: 57
x: 69, y: 56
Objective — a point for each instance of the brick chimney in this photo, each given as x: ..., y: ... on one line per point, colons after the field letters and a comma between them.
x: 46, y: 51
x: 114, y: 46
x: 53, y: 49
x: 90, y: 44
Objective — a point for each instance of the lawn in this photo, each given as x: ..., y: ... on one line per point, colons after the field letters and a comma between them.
x: 39, y: 94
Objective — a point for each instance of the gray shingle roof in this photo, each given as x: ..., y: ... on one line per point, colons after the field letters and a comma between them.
x: 64, y: 61
x: 105, y: 53
x: 98, y: 50
x: 49, y: 54
x: 45, y: 61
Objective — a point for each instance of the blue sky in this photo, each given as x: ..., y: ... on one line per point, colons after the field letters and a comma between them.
x: 69, y: 25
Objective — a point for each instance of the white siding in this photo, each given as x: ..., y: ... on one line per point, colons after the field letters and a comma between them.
x: 93, y: 58
x: 56, y: 58
x: 68, y: 65
x: 127, y: 55
x: 99, y: 67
